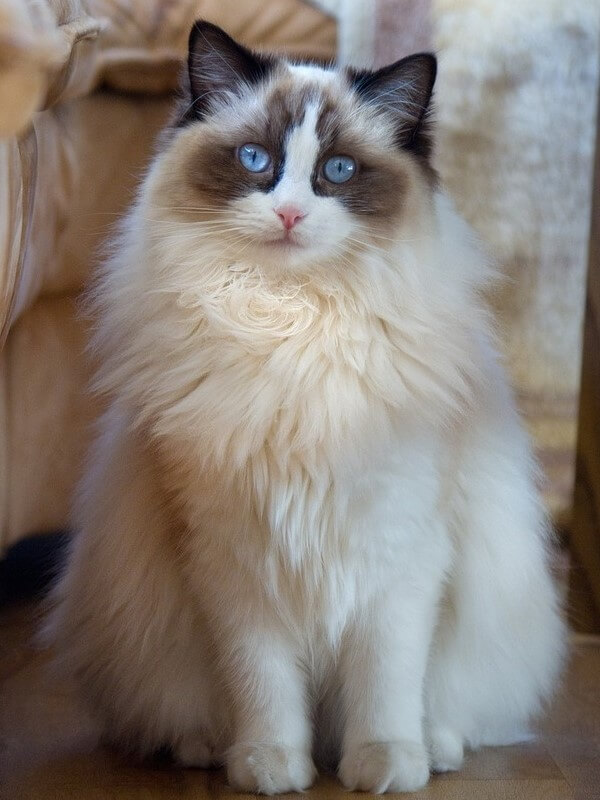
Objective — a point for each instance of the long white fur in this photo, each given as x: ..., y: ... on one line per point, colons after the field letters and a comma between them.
x: 343, y: 515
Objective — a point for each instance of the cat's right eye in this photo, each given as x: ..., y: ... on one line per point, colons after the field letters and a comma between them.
x: 254, y: 157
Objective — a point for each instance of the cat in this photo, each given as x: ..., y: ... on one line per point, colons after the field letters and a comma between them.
x: 309, y: 527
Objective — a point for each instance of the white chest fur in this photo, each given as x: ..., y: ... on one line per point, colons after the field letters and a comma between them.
x: 304, y: 469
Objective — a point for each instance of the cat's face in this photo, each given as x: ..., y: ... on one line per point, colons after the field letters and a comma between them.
x: 293, y: 165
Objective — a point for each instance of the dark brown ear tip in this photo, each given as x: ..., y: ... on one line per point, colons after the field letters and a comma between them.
x: 426, y: 63
x: 207, y: 30
x: 423, y: 64
x: 427, y: 56
x: 218, y: 65
x: 432, y: 63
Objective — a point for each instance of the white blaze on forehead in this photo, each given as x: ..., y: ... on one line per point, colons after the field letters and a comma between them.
x: 302, y: 148
x: 312, y: 74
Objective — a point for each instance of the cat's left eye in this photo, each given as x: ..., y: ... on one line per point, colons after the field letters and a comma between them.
x: 254, y: 157
x: 339, y: 169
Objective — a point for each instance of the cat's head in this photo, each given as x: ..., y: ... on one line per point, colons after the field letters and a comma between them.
x: 286, y: 164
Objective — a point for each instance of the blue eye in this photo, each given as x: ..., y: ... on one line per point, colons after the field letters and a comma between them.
x: 254, y: 157
x: 339, y: 169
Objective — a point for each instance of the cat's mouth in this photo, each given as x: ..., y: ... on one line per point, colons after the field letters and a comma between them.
x: 283, y: 243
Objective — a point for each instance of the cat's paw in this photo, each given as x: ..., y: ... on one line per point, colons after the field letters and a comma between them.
x: 196, y: 750
x: 269, y: 769
x: 446, y: 750
x: 385, y: 767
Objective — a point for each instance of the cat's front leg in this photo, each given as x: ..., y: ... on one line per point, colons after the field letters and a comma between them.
x: 382, y: 674
x: 271, y: 753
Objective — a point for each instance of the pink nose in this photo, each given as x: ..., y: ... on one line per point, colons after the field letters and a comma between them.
x: 289, y: 215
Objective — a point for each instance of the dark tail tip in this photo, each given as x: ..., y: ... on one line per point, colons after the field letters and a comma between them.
x: 30, y: 566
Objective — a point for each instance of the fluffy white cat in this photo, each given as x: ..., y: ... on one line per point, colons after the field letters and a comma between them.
x: 309, y: 527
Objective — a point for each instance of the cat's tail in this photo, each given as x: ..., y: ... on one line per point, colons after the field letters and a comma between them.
x: 31, y: 566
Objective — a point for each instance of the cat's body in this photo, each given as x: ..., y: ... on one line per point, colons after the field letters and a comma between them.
x: 310, y: 520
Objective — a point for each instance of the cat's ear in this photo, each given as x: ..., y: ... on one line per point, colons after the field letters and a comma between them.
x: 404, y: 90
x: 218, y: 65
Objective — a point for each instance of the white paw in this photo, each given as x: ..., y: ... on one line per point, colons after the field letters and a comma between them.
x: 196, y: 750
x: 269, y: 769
x: 385, y: 767
x: 446, y: 750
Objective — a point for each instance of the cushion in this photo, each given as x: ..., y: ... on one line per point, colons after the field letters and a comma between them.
x: 46, y: 56
x: 145, y: 42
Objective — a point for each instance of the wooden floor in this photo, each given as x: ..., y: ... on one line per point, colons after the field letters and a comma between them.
x: 49, y: 750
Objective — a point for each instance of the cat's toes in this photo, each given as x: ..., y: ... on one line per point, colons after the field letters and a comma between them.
x: 269, y: 769
x: 196, y: 750
x: 446, y: 750
x: 385, y: 767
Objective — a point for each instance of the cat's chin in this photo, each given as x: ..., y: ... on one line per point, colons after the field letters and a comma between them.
x: 285, y: 254
x: 283, y: 245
